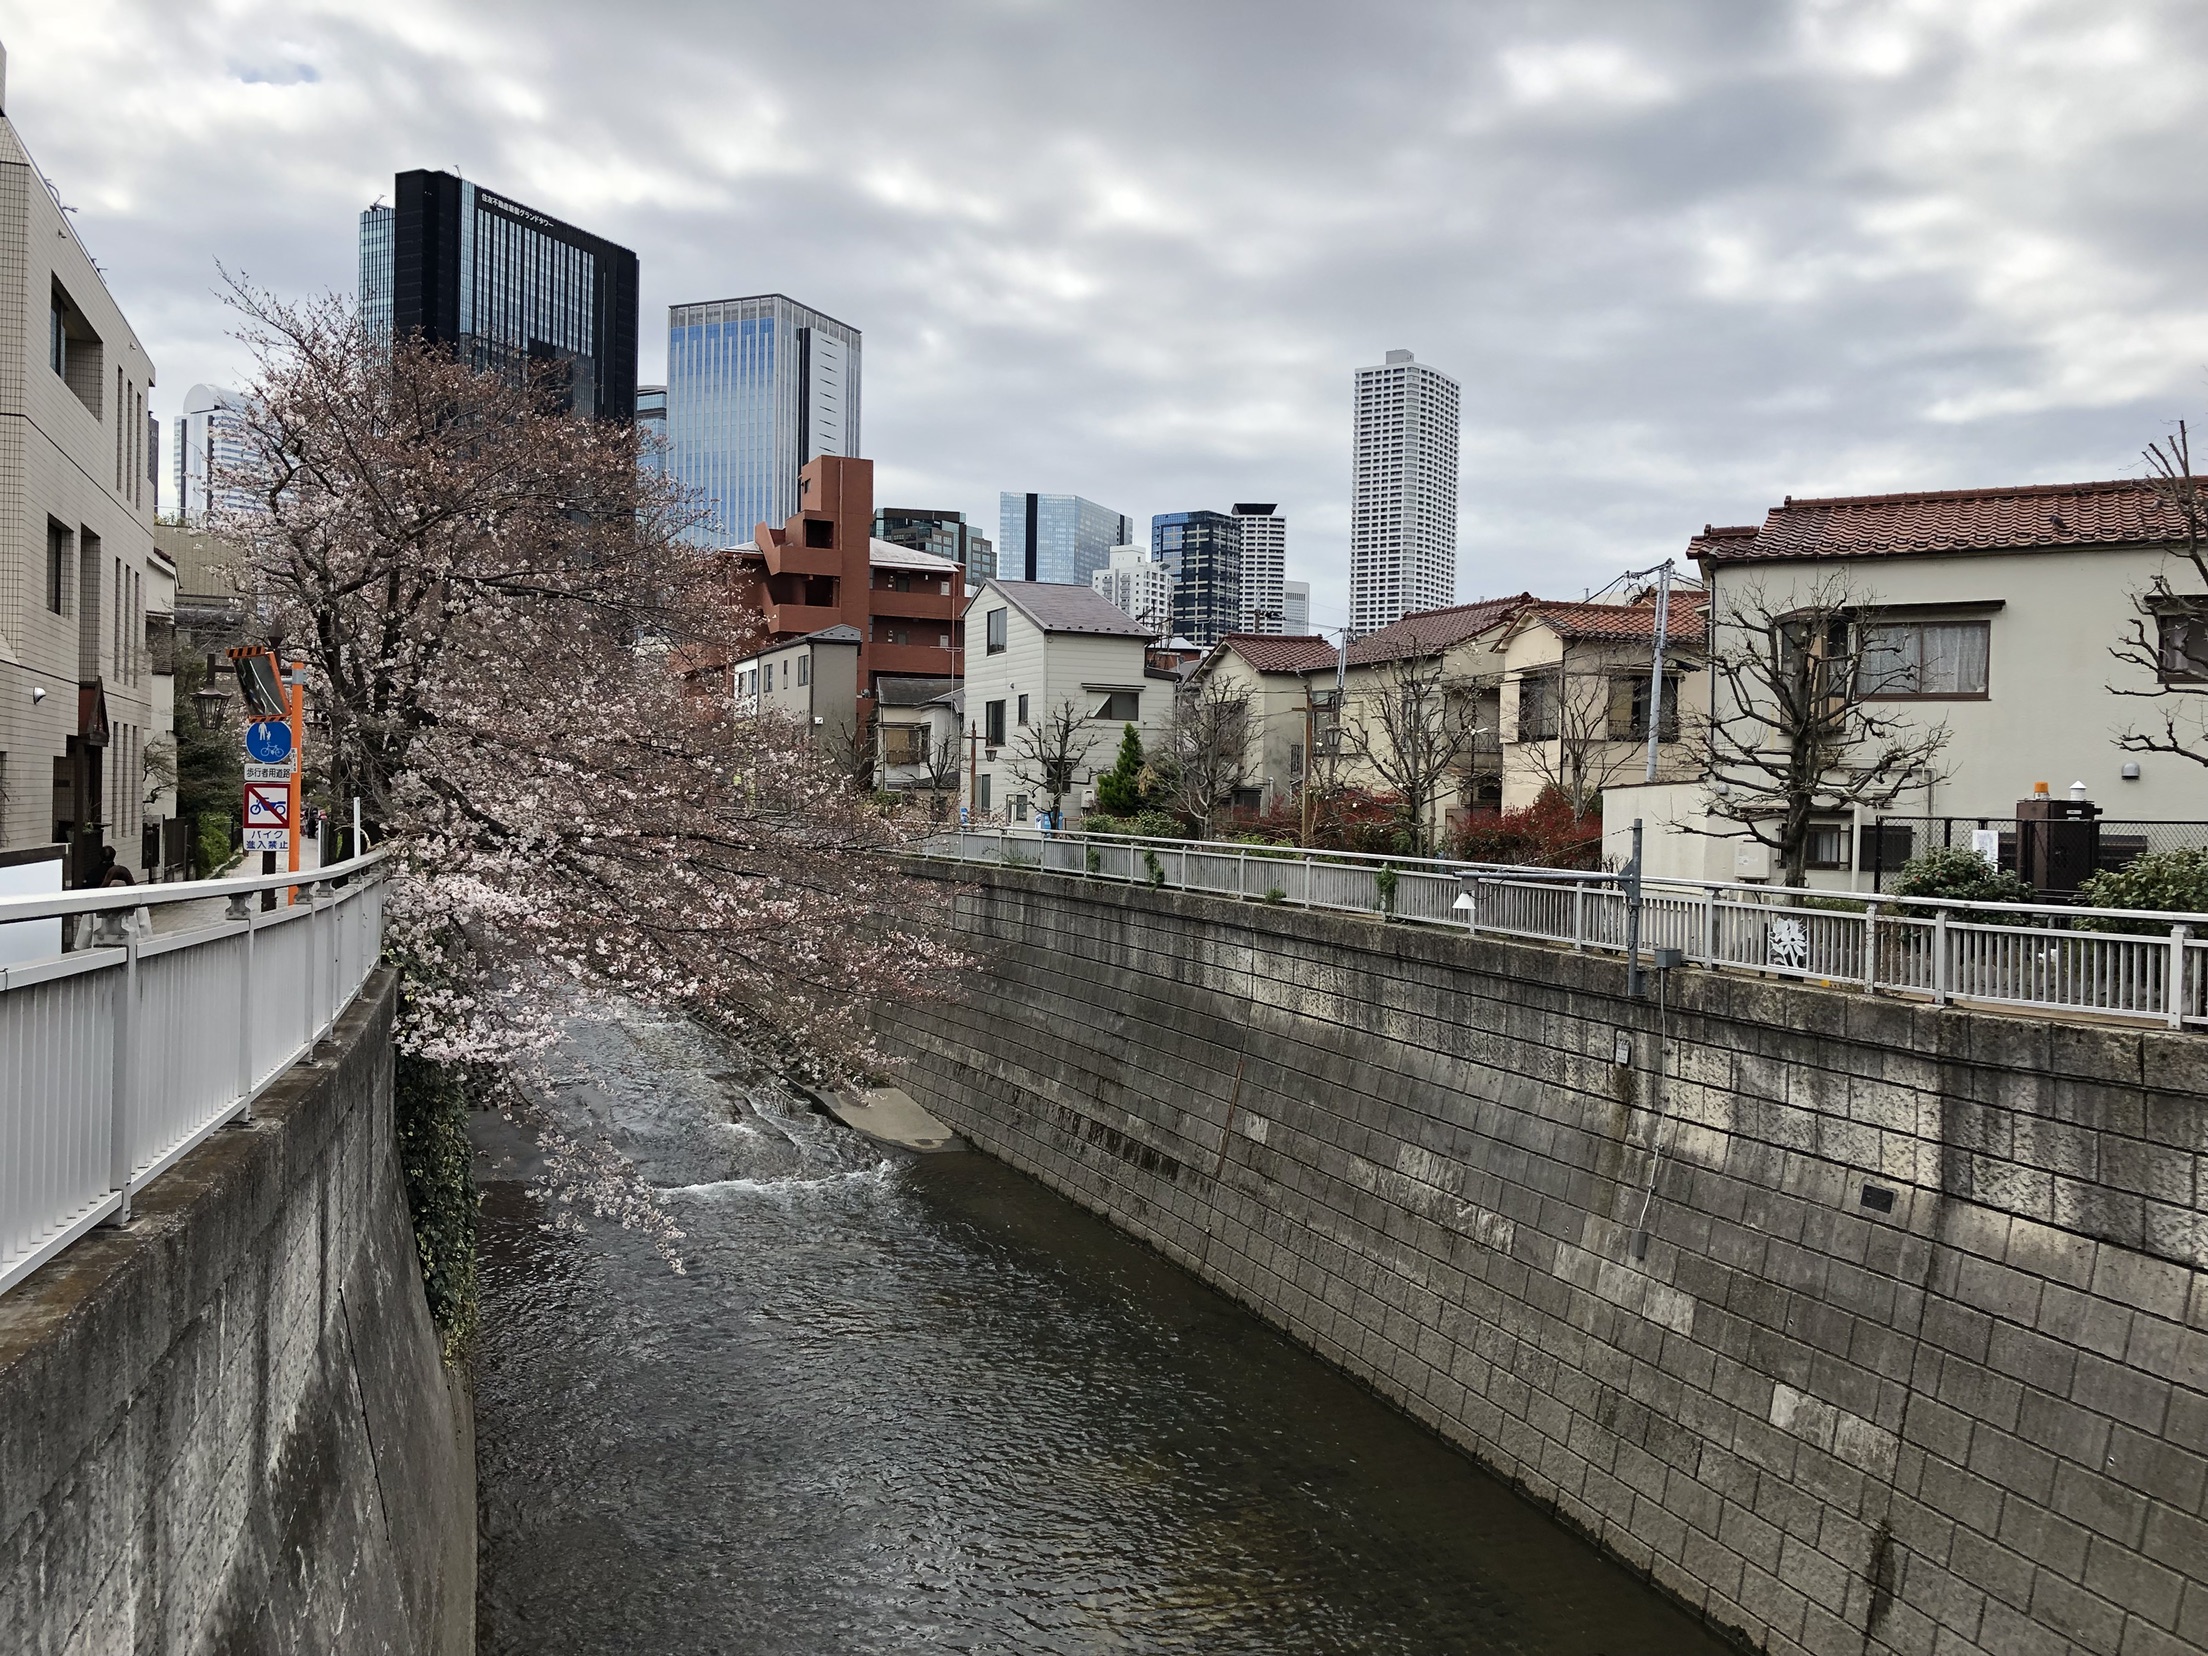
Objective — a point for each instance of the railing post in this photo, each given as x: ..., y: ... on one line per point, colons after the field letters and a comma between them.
x: 1870, y: 949
x: 1307, y: 879
x: 1579, y: 917
x: 1939, y: 957
x: 252, y: 917
x: 1242, y: 875
x: 2173, y: 989
x: 122, y: 1093
x: 1710, y: 895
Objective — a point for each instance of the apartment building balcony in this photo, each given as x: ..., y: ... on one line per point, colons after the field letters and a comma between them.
x: 913, y: 660
x: 930, y: 605
x: 791, y: 620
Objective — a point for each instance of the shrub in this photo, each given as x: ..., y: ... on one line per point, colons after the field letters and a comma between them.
x: 1384, y: 883
x: 1957, y: 872
x: 1119, y: 790
x: 429, y: 1107
x: 1146, y: 824
x: 1095, y: 862
x: 1275, y: 894
x: 2173, y: 881
x: 1546, y: 834
x: 1156, y: 868
x: 1351, y: 819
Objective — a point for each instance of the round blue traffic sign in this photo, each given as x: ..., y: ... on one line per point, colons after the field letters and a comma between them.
x: 268, y: 741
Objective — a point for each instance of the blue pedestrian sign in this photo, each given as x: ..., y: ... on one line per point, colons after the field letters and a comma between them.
x: 269, y: 741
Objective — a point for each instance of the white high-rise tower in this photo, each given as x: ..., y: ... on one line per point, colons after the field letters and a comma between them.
x: 1264, y: 535
x: 1403, y: 505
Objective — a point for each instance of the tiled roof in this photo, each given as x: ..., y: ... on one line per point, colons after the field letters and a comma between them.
x: 2123, y: 513
x: 1280, y: 652
x: 1063, y: 608
x: 1686, y: 620
x: 1432, y: 630
x: 895, y: 691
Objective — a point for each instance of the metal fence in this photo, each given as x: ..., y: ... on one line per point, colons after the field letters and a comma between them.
x: 2040, y: 956
x: 118, y: 1057
x: 2111, y: 842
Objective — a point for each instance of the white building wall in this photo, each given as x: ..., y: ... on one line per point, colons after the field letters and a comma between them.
x: 1264, y: 569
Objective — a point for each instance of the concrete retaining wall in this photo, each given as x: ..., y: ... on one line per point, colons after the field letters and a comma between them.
x: 226, y: 1427
x: 1977, y: 1421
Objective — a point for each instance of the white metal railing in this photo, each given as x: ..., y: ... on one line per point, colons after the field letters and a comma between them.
x: 2028, y: 955
x: 119, y: 1057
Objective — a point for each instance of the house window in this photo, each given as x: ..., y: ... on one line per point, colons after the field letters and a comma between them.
x: 996, y: 631
x: 1629, y: 709
x: 1828, y: 845
x: 896, y: 635
x: 1923, y: 660
x: 1295, y: 761
x: 57, y: 568
x: 1019, y: 807
x: 2184, y: 645
x: 1885, y: 846
x: 1023, y: 710
x: 1120, y: 706
x: 993, y: 724
x: 904, y: 744
x: 1537, y: 708
x: 820, y: 532
x: 804, y: 669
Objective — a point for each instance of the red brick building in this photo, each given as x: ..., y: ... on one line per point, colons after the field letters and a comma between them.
x: 823, y: 568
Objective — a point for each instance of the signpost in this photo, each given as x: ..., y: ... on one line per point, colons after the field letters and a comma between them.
x: 268, y: 816
x: 278, y: 701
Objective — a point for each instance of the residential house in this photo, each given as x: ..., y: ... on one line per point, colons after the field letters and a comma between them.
x: 1575, y: 695
x: 1276, y: 673
x: 812, y: 681
x: 918, y: 725
x: 1995, y: 613
x: 1040, y: 655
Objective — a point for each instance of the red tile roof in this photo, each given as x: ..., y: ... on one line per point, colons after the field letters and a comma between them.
x: 1432, y: 630
x: 1280, y: 652
x: 1686, y: 622
x: 2123, y: 513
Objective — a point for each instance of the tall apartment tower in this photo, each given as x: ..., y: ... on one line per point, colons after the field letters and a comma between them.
x: 756, y: 389
x: 1403, y: 505
x: 1264, y: 537
x: 1137, y: 583
x: 1056, y: 537
x: 209, y: 445
x: 504, y: 286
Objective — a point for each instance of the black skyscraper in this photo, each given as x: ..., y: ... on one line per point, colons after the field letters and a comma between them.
x: 505, y: 284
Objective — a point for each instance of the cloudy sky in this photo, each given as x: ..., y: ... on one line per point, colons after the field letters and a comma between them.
x: 1686, y: 256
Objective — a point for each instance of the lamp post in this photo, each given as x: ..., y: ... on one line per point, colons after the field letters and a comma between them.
x: 209, y: 705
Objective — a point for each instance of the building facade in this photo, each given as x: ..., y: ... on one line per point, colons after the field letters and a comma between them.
x: 1295, y: 607
x: 756, y: 389
x: 1403, y: 499
x: 1137, y: 583
x: 208, y: 445
x: 1060, y: 539
x: 822, y: 567
x: 1047, y: 661
x: 946, y: 534
x: 1263, y: 534
x: 505, y: 286
x: 80, y: 708
x: 651, y: 427
x: 1203, y: 552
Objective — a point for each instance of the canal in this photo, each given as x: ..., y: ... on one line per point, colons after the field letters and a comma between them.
x: 898, y: 1403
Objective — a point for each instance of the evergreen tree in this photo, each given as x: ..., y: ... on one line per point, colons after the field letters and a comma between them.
x: 1119, y: 790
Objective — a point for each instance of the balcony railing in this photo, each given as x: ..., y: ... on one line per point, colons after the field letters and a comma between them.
x: 118, y: 1058
x: 2022, y: 955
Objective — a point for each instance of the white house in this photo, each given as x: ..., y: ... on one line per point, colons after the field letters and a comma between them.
x: 1038, y: 653
x: 1994, y: 612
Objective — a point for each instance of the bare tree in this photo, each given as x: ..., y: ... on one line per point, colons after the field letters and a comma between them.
x: 1046, y: 753
x: 516, y: 652
x: 1586, y: 746
x: 1206, y: 758
x: 2167, y: 638
x: 1793, y: 730
x: 943, y: 766
x: 1414, y: 725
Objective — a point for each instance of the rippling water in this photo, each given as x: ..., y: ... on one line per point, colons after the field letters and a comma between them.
x: 924, y: 1404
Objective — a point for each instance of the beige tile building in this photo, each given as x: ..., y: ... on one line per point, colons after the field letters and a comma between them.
x: 78, y: 699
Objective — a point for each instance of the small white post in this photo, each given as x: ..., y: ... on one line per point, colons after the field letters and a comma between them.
x: 1939, y: 957
x: 1870, y: 949
x: 123, y: 1086
x: 1710, y: 895
x: 2174, y: 990
x: 1579, y: 917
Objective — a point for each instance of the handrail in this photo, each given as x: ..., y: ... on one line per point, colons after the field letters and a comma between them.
x: 1941, y: 949
x: 105, y: 899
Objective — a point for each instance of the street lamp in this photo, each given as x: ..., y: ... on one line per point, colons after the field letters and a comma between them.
x: 209, y: 703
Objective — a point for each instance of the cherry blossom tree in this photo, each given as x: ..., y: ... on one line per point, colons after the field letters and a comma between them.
x: 522, y: 662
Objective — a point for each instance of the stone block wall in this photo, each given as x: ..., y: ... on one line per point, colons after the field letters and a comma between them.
x: 226, y: 1427
x: 1913, y: 1357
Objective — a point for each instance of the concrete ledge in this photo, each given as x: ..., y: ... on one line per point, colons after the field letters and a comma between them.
x: 226, y: 1425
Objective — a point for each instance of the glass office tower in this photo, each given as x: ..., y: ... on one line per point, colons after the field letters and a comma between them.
x: 504, y: 285
x: 755, y: 388
x: 946, y: 534
x: 1204, y: 552
x: 651, y: 428
x: 1057, y: 537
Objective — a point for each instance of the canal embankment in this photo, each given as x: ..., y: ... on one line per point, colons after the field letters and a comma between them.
x: 226, y: 1425
x: 1855, y: 1324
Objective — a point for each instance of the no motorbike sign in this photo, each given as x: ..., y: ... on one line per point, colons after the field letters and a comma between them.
x: 267, y: 816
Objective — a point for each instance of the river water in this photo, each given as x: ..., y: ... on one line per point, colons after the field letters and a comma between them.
x: 899, y: 1403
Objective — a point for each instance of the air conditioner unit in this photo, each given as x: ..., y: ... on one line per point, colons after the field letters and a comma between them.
x: 1751, y: 862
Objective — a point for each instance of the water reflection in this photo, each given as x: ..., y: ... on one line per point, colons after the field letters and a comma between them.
x: 920, y: 1404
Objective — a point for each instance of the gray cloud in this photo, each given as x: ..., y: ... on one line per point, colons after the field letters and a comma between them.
x: 1686, y: 258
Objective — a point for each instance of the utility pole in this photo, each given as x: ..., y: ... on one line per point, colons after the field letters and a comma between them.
x: 973, y: 772
x: 1656, y: 664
